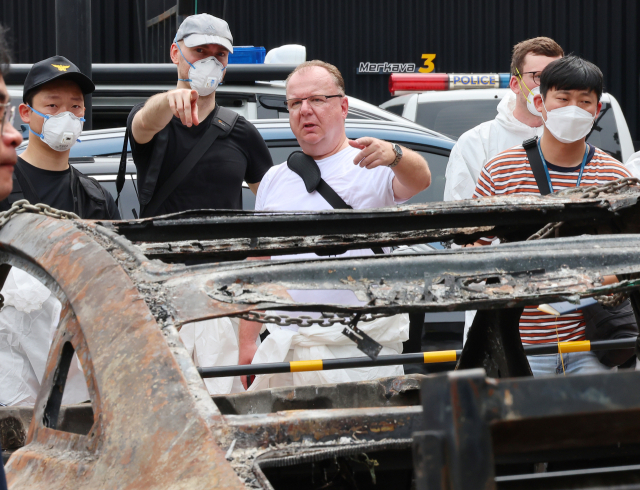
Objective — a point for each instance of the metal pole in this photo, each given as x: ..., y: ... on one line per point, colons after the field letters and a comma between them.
x: 418, y: 358
x: 73, y: 40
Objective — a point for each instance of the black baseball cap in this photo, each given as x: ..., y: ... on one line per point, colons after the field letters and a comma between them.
x: 52, y: 69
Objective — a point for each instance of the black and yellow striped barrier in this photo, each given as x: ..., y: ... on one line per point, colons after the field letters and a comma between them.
x: 418, y: 358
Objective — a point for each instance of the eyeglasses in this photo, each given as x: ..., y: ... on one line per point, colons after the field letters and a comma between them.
x: 535, y: 75
x: 8, y: 115
x: 314, y: 100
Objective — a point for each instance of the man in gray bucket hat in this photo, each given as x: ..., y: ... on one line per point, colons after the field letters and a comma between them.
x: 189, y: 152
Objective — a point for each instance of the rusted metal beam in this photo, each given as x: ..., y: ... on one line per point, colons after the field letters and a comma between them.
x: 478, y: 421
x: 494, y: 343
x: 152, y: 416
x: 508, y: 216
x: 516, y: 274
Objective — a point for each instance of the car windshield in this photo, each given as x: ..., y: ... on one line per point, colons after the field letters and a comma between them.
x: 456, y: 117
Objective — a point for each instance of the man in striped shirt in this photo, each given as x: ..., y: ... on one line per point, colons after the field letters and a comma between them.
x: 569, y: 100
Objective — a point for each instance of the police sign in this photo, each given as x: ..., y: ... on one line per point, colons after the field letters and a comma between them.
x: 463, y: 81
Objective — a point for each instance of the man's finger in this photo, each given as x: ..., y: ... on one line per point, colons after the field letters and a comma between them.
x: 194, y: 107
x: 375, y: 163
x: 366, y: 141
x: 186, y: 101
x: 368, y: 151
x: 355, y: 144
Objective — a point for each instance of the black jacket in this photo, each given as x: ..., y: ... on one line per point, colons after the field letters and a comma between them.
x: 90, y: 199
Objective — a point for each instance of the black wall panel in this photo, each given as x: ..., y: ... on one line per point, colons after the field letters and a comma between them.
x: 465, y: 35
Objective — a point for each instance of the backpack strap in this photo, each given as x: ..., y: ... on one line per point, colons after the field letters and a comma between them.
x: 222, y: 124
x: 537, y: 167
x: 123, y: 165
x: 307, y: 168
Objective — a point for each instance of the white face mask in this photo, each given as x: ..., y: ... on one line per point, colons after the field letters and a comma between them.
x: 568, y: 124
x: 204, y: 75
x: 529, y: 96
x: 61, y: 131
x: 530, y: 105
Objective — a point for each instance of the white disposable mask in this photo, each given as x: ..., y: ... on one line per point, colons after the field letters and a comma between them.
x: 61, y: 131
x: 530, y: 105
x: 204, y: 75
x: 529, y: 96
x: 568, y: 124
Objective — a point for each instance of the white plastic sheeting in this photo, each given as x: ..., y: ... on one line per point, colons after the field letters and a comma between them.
x: 214, y: 343
x: 310, y: 343
x: 28, y: 324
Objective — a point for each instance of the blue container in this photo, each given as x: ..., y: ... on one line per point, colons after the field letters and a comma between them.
x: 247, y: 55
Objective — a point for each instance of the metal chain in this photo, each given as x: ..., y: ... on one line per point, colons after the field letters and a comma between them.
x: 586, y: 193
x: 327, y: 319
x: 611, y: 300
x: 591, y: 193
x: 23, y: 206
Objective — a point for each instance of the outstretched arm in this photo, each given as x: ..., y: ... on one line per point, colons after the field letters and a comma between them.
x: 159, y: 110
x: 412, y: 173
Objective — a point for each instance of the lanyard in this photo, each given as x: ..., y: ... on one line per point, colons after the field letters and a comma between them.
x: 546, y: 170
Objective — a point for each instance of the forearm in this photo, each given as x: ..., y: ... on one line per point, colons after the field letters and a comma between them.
x: 248, y: 332
x: 412, y: 175
x: 152, y: 118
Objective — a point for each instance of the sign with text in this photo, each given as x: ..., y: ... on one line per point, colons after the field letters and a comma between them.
x: 367, y: 68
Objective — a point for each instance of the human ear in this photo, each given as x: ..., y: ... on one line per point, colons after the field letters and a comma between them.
x: 513, y: 85
x: 25, y: 113
x: 174, y: 54
x: 537, y: 102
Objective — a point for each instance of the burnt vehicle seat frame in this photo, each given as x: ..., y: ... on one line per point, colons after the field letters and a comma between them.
x: 154, y: 424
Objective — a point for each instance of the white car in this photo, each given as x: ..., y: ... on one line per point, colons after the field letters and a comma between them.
x: 453, y: 112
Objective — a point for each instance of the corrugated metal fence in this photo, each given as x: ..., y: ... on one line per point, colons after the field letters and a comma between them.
x: 465, y: 35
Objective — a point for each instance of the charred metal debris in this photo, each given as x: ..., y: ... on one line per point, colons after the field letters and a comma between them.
x: 151, y: 424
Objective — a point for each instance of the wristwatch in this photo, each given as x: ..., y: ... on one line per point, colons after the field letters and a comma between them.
x: 398, y: 152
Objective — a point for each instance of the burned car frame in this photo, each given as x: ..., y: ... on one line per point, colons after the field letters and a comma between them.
x: 126, y: 290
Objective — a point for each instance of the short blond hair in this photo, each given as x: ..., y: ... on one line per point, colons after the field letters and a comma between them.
x: 333, y: 72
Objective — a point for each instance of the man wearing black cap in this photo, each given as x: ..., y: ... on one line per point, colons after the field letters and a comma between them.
x: 166, y: 129
x: 53, y: 108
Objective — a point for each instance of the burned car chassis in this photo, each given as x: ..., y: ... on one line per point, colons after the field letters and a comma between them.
x: 151, y: 424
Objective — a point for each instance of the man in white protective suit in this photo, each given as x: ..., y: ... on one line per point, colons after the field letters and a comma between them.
x: 633, y: 164
x: 365, y: 173
x: 517, y: 121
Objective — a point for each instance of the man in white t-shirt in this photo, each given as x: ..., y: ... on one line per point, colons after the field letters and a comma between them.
x: 365, y: 173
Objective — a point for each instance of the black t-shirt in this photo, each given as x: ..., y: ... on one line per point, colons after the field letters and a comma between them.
x: 216, y: 180
x: 53, y: 187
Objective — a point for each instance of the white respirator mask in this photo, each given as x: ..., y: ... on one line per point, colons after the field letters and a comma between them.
x: 61, y: 131
x: 204, y: 75
x: 532, y: 93
x: 530, y: 105
x: 568, y: 124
